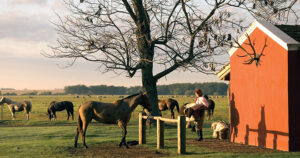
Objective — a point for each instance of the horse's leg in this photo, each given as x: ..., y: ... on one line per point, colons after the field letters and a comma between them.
x: 85, y: 123
x: 84, y: 127
x: 172, y: 114
x: 27, y: 113
x: 124, y: 132
x: 12, y: 111
x: 76, y: 137
x: 13, y: 115
x: 72, y: 115
x: 54, y: 115
x: 68, y: 115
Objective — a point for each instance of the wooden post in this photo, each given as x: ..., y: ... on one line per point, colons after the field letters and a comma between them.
x: 2, y: 111
x: 160, y: 134
x: 142, y: 129
x: 181, y: 134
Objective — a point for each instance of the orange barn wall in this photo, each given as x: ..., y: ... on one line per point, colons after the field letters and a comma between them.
x: 259, y: 96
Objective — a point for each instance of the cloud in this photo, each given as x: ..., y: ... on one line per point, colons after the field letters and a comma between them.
x: 29, y: 2
x: 26, y: 27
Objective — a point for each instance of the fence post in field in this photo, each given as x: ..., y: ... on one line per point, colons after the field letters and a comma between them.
x: 160, y: 134
x: 2, y: 112
x: 142, y: 129
x: 181, y: 134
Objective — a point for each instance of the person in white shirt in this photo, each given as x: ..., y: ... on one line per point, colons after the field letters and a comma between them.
x: 197, y: 110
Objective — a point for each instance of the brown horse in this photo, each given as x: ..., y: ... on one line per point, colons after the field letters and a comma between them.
x: 211, y: 107
x: 168, y: 104
x: 110, y: 113
x: 59, y: 106
x: 16, y: 106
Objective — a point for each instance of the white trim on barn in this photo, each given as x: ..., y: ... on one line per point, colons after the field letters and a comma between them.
x: 272, y: 31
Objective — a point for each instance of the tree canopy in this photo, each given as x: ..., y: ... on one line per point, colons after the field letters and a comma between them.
x: 165, y: 35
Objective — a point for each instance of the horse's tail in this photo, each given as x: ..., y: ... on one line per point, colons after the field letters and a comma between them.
x: 79, y: 126
x: 177, y: 106
x: 28, y: 106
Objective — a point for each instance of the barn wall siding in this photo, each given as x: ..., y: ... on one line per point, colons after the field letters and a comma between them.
x: 259, y: 96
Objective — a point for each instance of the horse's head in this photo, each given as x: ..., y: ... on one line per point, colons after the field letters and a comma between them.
x: 53, y: 102
x: 189, y: 112
x: 2, y: 100
x: 145, y: 102
x: 206, y: 97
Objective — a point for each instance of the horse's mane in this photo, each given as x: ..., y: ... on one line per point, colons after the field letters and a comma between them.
x: 133, y: 95
x: 5, y: 99
x: 119, y: 102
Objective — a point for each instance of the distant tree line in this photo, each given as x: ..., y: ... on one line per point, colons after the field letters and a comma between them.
x: 210, y: 88
x: 30, y: 93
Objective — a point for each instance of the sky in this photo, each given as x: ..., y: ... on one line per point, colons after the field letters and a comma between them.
x: 26, y: 31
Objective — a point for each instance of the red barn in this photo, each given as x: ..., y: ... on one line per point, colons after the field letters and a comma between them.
x: 265, y: 88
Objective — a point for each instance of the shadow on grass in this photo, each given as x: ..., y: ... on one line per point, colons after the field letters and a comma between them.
x: 113, y: 150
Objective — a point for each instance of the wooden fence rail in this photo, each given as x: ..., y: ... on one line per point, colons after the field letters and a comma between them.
x: 160, y: 131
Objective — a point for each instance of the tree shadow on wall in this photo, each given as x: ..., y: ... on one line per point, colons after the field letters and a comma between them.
x: 234, y: 119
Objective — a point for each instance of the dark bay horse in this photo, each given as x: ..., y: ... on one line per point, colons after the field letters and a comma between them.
x: 118, y: 112
x: 211, y: 107
x: 168, y: 104
x: 59, y: 106
x: 17, y: 106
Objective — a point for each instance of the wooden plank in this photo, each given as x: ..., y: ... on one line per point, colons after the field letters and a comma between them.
x: 161, y: 118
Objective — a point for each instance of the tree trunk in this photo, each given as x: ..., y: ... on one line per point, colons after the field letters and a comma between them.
x: 149, y: 85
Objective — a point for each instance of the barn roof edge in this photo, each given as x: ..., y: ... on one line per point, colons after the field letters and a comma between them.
x: 272, y: 31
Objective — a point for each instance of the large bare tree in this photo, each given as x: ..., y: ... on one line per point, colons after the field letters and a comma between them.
x: 137, y: 35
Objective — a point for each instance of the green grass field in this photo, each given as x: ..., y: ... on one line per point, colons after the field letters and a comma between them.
x: 40, y: 137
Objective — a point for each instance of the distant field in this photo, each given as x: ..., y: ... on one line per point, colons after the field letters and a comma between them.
x: 41, y: 103
x: 40, y: 137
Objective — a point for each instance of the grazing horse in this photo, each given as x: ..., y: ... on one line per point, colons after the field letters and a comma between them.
x: 17, y: 106
x: 59, y: 106
x: 168, y: 104
x: 110, y: 113
x: 211, y: 107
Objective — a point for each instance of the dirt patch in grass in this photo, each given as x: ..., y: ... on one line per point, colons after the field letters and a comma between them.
x: 226, y: 146
x: 113, y: 150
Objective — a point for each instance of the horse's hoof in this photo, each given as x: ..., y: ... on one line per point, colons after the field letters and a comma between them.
x: 127, y: 146
x: 120, y: 145
x: 75, y: 146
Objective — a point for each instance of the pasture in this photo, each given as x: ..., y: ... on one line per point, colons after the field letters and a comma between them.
x: 40, y: 137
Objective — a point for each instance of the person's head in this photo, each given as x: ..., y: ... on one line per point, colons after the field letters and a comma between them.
x: 198, y: 92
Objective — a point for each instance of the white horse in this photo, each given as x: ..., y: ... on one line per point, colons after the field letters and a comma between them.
x: 16, y: 106
x: 221, y: 130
